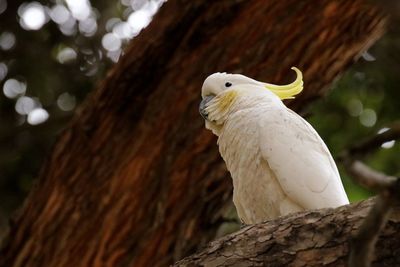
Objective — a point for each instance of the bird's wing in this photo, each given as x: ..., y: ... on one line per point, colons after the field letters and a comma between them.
x: 300, y: 160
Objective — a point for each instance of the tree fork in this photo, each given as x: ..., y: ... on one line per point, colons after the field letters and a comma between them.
x: 135, y: 179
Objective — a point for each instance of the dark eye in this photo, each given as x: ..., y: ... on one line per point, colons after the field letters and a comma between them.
x: 228, y: 84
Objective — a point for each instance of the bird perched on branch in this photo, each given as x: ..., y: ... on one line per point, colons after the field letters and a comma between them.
x: 278, y: 162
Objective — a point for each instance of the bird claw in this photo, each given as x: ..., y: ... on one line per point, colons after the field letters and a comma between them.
x: 243, y: 225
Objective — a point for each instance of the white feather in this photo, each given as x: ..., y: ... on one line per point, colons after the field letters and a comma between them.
x: 300, y: 160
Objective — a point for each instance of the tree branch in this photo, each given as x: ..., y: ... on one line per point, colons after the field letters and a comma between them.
x: 374, y: 142
x: 364, y: 242
x: 369, y: 178
x: 311, y: 238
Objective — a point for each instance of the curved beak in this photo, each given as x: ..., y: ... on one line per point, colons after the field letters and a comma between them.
x: 203, y: 106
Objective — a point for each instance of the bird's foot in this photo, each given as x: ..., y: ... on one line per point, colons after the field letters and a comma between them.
x: 243, y: 225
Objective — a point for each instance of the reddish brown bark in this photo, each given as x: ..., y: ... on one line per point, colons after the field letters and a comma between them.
x: 135, y: 179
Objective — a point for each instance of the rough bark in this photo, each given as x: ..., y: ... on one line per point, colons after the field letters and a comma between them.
x: 135, y: 179
x: 306, y: 239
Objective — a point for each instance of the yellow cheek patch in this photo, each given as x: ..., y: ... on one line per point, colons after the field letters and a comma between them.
x: 226, y: 100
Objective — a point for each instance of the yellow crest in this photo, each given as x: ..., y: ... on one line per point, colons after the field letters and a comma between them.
x: 290, y: 90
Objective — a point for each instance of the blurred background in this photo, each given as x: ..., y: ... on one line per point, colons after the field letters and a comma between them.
x: 52, y: 53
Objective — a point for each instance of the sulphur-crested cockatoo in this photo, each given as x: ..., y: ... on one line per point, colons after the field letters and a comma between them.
x: 278, y: 162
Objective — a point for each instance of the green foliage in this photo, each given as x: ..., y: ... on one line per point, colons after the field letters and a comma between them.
x: 362, y: 102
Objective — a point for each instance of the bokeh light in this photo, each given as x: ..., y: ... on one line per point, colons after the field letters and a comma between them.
x: 13, y: 88
x: 388, y: 144
x: 367, y: 56
x: 66, y: 102
x: 111, y: 42
x: 59, y: 14
x: 88, y: 27
x: 122, y: 30
x: 368, y: 117
x: 32, y: 15
x: 139, y: 20
x: 3, y: 71
x: 25, y: 105
x: 135, y: 4
x: 37, y: 116
x: 66, y: 55
x: 3, y: 6
x: 354, y: 107
x: 80, y: 9
x: 7, y: 40
x: 69, y: 27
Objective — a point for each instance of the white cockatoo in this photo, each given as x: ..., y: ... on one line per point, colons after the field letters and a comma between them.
x: 278, y: 162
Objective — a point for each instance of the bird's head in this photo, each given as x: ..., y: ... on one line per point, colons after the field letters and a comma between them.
x: 221, y: 91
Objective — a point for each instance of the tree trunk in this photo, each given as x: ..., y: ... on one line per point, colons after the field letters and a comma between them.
x: 306, y: 239
x: 136, y: 179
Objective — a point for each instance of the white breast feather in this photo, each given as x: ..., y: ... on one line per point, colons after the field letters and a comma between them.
x: 300, y: 160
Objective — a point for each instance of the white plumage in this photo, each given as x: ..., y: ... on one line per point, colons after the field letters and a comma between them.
x: 277, y: 161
